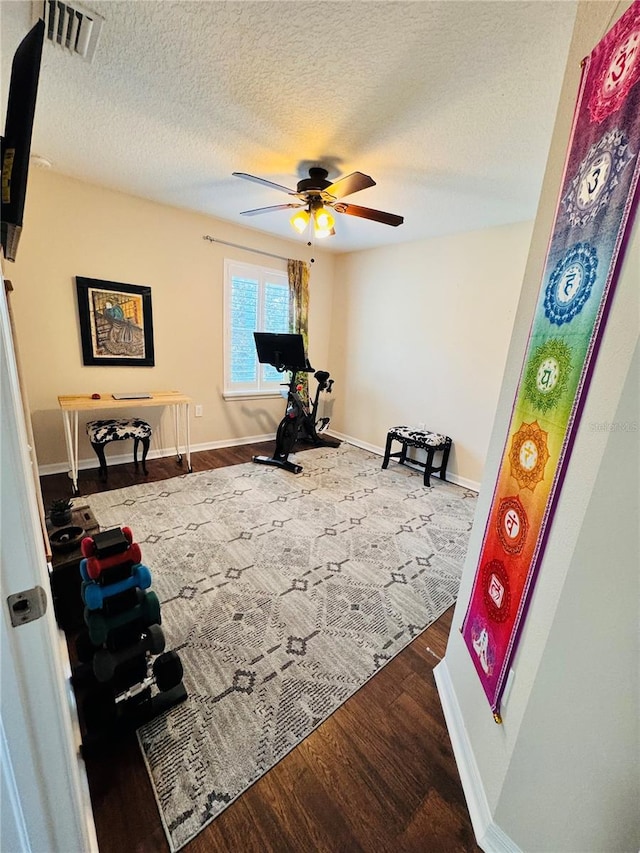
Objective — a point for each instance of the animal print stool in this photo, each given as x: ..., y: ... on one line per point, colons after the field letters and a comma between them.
x: 429, y: 441
x: 119, y: 429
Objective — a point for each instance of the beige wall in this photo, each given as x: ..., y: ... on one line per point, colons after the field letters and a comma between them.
x: 413, y: 333
x: 561, y: 773
x: 422, y: 332
x: 72, y: 228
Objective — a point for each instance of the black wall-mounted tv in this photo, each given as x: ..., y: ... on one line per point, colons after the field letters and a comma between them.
x: 16, y: 142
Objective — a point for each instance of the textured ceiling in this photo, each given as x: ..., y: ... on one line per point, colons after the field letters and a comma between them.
x: 449, y: 106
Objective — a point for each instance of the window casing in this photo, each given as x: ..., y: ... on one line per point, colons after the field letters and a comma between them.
x: 256, y: 300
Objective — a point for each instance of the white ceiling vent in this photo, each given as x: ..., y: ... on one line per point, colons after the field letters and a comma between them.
x: 69, y: 26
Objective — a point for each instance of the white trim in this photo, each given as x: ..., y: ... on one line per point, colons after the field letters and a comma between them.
x: 124, y: 459
x: 488, y: 834
x: 379, y: 451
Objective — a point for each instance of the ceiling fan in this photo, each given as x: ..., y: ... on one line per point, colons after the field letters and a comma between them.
x: 316, y: 194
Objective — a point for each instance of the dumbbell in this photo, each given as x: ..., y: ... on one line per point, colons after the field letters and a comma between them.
x: 166, y: 674
x: 104, y: 705
x: 145, y: 613
x: 167, y: 671
x: 105, y: 662
x: 96, y: 566
x: 130, y: 689
x: 94, y: 595
x: 106, y: 543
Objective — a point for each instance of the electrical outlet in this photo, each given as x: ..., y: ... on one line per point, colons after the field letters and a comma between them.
x: 198, y: 411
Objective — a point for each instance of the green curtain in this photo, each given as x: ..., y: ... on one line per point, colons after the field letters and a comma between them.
x: 298, y: 273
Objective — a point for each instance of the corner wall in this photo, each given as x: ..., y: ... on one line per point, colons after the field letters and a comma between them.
x: 560, y: 775
x: 422, y: 330
x: 73, y: 228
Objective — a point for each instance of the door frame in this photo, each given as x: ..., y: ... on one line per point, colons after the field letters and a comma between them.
x: 45, y: 795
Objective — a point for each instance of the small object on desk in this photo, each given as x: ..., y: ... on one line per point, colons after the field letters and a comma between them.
x: 137, y: 395
x: 95, y: 396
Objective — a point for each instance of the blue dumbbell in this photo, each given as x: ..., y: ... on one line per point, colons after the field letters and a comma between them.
x: 110, y: 575
x: 95, y: 595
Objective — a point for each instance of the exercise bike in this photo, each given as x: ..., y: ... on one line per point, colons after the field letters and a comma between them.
x: 285, y: 352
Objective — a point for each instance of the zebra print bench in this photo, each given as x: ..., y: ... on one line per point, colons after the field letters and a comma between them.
x: 119, y: 429
x: 429, y: 441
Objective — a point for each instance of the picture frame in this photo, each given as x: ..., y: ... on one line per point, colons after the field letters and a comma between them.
x: 116, y: 323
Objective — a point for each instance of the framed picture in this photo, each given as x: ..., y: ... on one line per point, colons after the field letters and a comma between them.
x: 116, y: 325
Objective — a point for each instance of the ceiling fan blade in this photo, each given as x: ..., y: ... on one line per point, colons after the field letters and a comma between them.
x: 352, y: 183
x: 268, y: 209
x: 369, y: 213
x: 264, y: 182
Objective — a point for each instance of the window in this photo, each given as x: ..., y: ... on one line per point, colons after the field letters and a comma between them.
x: 256, y: 300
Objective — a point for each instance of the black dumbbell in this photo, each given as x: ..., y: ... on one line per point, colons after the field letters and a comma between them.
x: 167, y: 671
x: 105, y: 662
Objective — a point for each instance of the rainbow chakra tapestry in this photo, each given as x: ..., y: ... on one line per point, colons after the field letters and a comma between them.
x: 596, y: 201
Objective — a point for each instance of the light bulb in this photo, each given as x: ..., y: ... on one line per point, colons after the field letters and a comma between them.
x: 323, y: 222
x: 300, y: 220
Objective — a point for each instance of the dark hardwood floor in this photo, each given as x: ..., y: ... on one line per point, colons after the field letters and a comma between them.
x: 378, y: 775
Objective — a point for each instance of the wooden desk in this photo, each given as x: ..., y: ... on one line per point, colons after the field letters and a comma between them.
x: 71, y: 405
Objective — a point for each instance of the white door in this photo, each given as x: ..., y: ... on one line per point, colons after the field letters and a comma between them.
x: 44, y: 796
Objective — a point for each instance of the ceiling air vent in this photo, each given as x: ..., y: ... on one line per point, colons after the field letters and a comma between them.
x: 71, y: 27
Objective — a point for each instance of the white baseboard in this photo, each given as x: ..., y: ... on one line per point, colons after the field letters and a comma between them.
x: 374, y: 448
x: 124, y: 458
x: 488, y: 834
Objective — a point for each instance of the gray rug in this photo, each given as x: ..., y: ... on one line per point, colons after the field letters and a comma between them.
x: 283, y: 595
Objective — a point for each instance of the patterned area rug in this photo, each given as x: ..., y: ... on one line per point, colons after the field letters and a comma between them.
x: 283, y: 595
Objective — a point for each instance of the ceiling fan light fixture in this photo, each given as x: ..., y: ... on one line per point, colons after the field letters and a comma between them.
x: 315, y: 193
x: 300, y: 221
x: 323, y: 222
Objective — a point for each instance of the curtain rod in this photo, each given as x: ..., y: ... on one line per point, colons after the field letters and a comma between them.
x: 246, y: 248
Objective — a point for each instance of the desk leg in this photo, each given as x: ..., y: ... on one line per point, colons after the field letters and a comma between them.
x: 181, y: 411
x: 72, y: 447
x: 187, y: 428
x: 176, y: 430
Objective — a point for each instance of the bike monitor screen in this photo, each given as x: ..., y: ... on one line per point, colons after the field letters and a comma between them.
x: 280, y: 350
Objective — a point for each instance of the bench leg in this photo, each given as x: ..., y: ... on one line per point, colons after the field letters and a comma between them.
x: 387, y: 451
x: 99, y: 449
x: 445, y: 462
x: 145, y: 450
x: 428, y: 465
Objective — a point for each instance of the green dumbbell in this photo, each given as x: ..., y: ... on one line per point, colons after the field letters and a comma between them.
x: 145, y: 613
